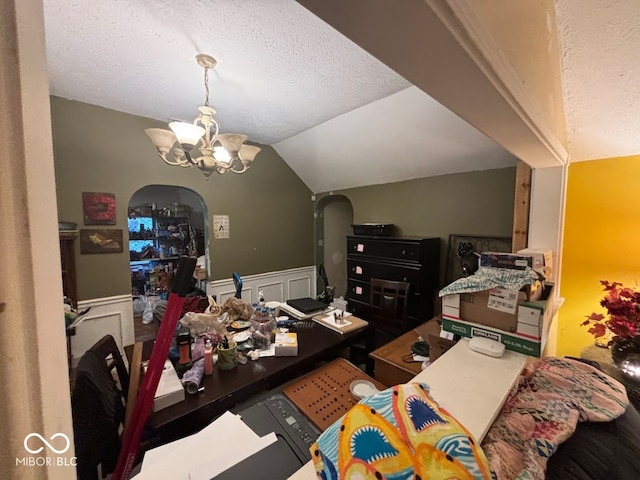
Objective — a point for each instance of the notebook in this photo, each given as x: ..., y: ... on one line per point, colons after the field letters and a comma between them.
x: 307, y: 305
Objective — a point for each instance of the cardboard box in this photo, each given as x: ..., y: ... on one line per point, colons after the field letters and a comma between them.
x: 286, y: 344
x: 512, y: 341
x: 502, y: 309
x: 505, y: 260
x: 497, y: 308
x: 170, y: 390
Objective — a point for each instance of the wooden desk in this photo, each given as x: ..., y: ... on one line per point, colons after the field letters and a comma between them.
x: 224, y: 389
x: 390, y: 368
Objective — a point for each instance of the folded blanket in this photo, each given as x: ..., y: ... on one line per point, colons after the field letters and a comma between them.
x: 553, y: 395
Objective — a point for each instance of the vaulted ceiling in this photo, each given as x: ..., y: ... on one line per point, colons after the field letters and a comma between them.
x: 338, y: 116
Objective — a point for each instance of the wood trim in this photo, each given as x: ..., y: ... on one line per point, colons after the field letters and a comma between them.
x: 462, y: 20
x: 521, y: 207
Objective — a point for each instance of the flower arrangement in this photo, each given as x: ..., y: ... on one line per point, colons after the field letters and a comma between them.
x: 623, y: 313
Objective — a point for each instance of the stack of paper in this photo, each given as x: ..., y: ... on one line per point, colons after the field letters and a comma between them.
x: 219, y: 446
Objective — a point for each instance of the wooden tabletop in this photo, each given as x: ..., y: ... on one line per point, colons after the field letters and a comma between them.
x: 224, y: 389
x: 394, y: 351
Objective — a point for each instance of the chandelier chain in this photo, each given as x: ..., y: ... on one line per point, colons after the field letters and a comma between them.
x: 206, y: 87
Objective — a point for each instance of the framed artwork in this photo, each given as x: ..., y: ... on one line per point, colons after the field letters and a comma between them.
x: 101, y: 241
x: 463, y: 253
x: 99, y: 208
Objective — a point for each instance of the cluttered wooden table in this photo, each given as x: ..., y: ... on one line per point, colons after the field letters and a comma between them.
x: 224, y: 389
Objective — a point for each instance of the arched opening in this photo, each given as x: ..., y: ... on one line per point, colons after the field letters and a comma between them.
x: 334, y: 216
x: 164, y: 223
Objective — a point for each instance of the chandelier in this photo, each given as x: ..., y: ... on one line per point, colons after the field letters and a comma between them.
x: 199, y: 143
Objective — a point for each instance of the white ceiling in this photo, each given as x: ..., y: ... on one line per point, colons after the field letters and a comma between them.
x: 600, y: 41
x: 337, y: 116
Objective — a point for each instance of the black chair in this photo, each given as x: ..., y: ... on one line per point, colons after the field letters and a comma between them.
x: 98, y: 405
x: 237, y: 281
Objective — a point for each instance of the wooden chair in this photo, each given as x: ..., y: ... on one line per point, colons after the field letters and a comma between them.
x: 387, y: 316
x: 388, y: 302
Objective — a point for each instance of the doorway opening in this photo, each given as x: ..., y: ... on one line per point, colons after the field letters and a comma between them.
x: 333, y: 218
x: 165, y: 222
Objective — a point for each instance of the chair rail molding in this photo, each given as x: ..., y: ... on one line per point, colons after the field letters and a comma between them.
x: 277, y: 286
x: 108, y: 315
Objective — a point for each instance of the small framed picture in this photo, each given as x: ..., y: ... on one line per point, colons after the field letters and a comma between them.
x: 99, y: 208
x: 101, y: 241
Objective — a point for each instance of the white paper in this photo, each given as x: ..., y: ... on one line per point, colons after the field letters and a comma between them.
x: 215, y: 466
x: 330, y: 319
x: 224, y: 442
x: 169, y: 381
x: 268, y: 352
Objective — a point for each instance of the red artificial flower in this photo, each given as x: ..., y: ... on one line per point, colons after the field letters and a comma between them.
x: 623, y: 312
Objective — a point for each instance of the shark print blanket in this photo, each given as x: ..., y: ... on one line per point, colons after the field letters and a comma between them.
x: 552, y: 396
x: 400, y: 433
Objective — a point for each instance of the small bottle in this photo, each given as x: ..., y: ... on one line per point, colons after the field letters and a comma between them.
x: 261, y: 301
x: 208, y: 358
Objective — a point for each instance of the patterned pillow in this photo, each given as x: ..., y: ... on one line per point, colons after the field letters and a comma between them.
x: 397, y: 434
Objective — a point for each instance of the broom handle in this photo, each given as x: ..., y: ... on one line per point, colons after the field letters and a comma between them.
x: 144, y: 402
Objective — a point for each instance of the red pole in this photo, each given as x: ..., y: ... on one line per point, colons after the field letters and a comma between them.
x: 144, y: 400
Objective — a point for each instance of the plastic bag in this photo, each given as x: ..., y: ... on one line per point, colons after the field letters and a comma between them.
x: 150, y: 304
x: 138, y: 305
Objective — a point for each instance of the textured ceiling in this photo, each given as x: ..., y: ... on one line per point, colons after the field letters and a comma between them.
x: 281, y: 69
x: 336, y: 114
x: 600, y: 41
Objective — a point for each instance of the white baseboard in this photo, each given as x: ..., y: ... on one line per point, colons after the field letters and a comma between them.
x: 109, y: 315
x: 277, y: 286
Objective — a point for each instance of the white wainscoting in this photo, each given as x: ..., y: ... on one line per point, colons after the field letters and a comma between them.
x: 109, y: 315
x: 276, y: 286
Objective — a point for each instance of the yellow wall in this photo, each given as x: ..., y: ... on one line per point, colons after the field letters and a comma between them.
x: 601, y: 241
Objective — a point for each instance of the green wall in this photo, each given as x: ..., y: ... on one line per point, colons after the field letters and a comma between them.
x: 473, y: 203
x: 101, y: 150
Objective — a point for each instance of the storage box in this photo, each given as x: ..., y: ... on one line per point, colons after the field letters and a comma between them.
x: 495, y: 308
x: 505, y: 260
x: 375, y: 229
x: 532, y: 325
x: 499, y: 308
x: 286, y: 344
x: 512, y: 341
x: 542, y: 259
x: 170, y: 390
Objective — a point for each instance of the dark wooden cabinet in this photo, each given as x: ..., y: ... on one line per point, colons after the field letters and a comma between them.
x: 413, y: 260
x: 68, y: 263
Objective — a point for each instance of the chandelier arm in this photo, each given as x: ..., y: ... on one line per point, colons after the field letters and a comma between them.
x: 239, y: 171
x: 176, y: 163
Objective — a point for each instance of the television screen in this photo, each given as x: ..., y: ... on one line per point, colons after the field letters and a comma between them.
x: 139, y: 245
x: 134, y: 223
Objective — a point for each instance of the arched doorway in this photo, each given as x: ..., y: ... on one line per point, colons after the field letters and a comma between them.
x: 164, y: 222
x: 334, y: 216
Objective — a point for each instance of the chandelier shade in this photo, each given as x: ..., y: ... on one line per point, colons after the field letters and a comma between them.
x: 199, y: 143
